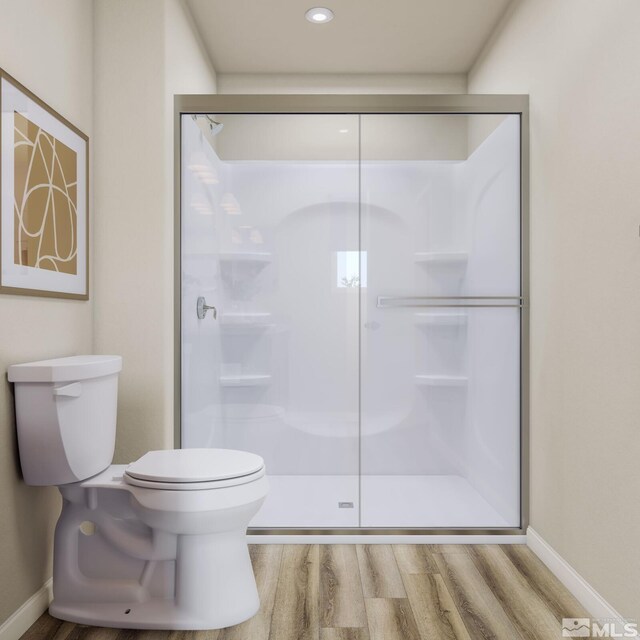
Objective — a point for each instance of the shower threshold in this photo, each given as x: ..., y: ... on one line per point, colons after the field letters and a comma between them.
x: 416, y: 501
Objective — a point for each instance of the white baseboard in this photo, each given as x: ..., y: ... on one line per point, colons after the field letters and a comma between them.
x: 27, y: 614
x: 385, y: 539
x: 584, y: 593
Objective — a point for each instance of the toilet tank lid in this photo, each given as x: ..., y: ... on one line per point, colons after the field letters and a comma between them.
x: 194, y: 465
x: 65, y: 369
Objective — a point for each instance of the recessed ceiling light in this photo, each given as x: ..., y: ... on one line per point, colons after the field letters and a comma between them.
x: 343, y: 130
x: 319, y: 15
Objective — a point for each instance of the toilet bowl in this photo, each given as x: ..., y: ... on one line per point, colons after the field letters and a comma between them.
x: 157, y: 544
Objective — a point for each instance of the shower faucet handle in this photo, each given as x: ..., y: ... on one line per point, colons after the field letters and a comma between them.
x: 202, y: 308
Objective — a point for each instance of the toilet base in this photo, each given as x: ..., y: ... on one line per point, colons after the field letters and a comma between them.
x: 214, y: 588
x: 153, y: 614
x: 130, y: 570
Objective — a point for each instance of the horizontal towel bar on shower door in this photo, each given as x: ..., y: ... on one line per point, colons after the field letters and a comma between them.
x: 385, y: 302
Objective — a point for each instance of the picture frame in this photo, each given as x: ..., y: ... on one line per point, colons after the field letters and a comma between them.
x: 44, y: 198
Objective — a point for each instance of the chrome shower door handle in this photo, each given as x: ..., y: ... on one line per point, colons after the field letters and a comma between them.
x: 203, y: 307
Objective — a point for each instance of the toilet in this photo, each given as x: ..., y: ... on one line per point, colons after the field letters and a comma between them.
x: 156, y: 544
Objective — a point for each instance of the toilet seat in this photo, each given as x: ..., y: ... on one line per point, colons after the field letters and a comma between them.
x: 194, y: 469
x: 192, y: 486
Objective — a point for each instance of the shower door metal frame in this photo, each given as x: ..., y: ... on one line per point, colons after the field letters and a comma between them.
x: 324, y: 104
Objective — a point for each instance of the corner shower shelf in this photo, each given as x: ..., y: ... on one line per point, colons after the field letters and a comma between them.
x: 440, y: 381
x: 255, y: 380
x: 246, y: 257
x: 443, y: 258
x: 434, y: 319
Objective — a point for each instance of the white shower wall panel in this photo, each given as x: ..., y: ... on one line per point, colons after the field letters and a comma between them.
x: 307, y: 213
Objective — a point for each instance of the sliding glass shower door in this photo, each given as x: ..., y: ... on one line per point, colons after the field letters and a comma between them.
x: 270, y: 233
x: 366, y: 273
x: 440, y: 341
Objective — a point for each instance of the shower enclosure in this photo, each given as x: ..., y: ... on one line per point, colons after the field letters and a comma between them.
x: 366, y: 258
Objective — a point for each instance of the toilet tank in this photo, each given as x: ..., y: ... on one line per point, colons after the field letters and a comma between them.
x: 66, y: 417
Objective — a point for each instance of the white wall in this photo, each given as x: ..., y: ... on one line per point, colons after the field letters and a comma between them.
x: 578, y: 60
x: 47, y: 47
x: 342, y: 83
x: 156, y: 45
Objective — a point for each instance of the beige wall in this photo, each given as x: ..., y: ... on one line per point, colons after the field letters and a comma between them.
x: 342, y: 83
x: 579, y: 61
x: 82, y: 52
x: 58, y: 69
x: 154, y: 42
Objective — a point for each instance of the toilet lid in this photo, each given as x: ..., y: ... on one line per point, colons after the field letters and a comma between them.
x: 194, y: 465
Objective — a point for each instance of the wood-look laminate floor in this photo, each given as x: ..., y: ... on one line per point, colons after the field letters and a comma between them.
x: 381, y: 592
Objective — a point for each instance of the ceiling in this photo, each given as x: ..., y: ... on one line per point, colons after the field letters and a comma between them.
x: 366, y: 36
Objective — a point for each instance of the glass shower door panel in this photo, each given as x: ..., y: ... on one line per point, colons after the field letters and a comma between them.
x: 272, y: 203
x: 440, y: 370
x: 454, y: 182
x: 440, y: 419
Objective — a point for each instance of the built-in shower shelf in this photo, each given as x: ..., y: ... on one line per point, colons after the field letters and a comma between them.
x: 440, y: 381
x: 442, y: 258
x: 434, y: 319
x: 248, y: 380
x: 249, y: 323
x: 249, y: 319
x: 199, y: 255
x: 247, y: 257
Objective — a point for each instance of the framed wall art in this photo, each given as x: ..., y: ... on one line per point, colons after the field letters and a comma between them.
x: 44, y: 198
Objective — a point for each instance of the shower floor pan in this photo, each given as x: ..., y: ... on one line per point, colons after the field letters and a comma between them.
x: 422, y: 502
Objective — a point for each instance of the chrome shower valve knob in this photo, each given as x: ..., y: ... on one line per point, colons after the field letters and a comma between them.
x: 203, y: 307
